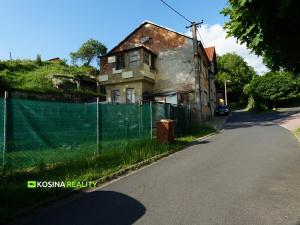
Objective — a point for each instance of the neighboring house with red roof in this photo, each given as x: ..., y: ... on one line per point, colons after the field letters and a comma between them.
x: 212, y: 56
x: 154, y: 63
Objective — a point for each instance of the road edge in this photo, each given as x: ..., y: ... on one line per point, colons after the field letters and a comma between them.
x: 101, y: 182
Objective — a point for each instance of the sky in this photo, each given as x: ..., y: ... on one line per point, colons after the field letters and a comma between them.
x: 57, y: 27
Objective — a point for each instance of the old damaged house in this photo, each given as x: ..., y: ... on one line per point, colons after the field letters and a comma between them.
x: 156, y: 63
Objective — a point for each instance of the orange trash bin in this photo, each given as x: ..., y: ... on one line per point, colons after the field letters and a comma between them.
x: 165, y: 131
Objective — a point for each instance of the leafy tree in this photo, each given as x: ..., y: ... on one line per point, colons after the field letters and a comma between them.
x: 273, y: 88
x: 88, y: 51
x: 233, y: 67
x: 38, y: 59
x: 270, y: 28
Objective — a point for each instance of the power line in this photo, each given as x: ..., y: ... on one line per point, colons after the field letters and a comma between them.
x: 201, y: 39
x: 184, y: 18
x: 197, y: 64
x: 176, y: 11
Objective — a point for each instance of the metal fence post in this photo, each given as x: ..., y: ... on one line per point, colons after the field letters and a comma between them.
x: 4, y: 129
x: 98, y: 127
x: 151, y: 122
x: 140, y: 118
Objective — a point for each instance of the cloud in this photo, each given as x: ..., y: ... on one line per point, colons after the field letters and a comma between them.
x: 215, y: 35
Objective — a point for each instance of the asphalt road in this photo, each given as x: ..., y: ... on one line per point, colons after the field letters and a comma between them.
x: 247, y: 174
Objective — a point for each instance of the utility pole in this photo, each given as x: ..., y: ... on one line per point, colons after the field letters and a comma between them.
x: 225, y: 92
x: 197, y: 67
x: 225, y: 87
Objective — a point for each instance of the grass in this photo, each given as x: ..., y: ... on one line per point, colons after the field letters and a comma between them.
x: 15, y: 196
x: 29, y: 76
x: 297, y: 132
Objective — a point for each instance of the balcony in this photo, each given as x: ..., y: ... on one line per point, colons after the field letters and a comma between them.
x: 133, y: 65
x: 128, y: 75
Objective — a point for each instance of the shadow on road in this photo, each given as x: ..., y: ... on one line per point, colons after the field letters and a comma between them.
x: 242, y: 119
x: 98, y: 207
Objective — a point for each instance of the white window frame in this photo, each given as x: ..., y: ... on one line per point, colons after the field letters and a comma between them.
x: 130, y: 96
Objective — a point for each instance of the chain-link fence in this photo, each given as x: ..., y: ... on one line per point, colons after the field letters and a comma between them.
x: 43, y: 132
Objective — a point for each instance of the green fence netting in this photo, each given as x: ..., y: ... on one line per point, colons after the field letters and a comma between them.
x: 48, y: 132
x: 161, y: 111
x: 44, y: 132
x: 180, y: 114
x: 47, y: 125
x: 124, y: 121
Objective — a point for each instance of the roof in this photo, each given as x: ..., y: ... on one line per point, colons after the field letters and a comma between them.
x: 144, y: 23
x: 126, y: 50
x: 210, y: 52
x: 54, y: 59
x: 154, y: 24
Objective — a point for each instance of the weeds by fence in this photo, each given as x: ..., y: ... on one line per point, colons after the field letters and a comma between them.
x: 43, y: 133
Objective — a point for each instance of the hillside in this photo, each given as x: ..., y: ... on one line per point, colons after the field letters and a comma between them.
x: 29, y: 76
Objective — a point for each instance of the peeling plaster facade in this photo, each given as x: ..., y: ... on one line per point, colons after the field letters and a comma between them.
x: 169, y: 70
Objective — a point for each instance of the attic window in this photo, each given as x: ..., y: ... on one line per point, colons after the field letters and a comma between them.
x: 144, y: 39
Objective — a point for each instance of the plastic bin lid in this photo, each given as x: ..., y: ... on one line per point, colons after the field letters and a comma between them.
x: 166, y: 120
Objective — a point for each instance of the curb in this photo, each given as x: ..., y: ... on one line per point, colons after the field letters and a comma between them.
x: 103, y: 181
x: 297, y: 135
x: 135, y: 167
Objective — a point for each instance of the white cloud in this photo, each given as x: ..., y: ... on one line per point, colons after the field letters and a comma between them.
x: 215, y: 35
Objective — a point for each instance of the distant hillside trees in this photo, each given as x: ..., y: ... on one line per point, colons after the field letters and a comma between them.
x: 38, y: 59
x: 233, y: 68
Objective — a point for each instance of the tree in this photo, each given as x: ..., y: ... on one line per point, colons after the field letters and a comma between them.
x: 234, y: 68
x: 273, y: 88
x: 270, y: 28
x: 88, y: 51
x: 38, y: 59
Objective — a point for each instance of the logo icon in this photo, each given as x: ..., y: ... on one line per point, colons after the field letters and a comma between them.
x: 31, y: 184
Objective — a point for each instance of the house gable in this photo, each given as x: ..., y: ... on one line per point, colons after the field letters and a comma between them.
x: 153, y: 37
x: 211, y: 53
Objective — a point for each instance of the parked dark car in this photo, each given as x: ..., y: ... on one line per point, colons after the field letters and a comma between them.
x: 222, y: 110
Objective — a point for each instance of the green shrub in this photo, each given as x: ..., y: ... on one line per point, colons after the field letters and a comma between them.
x: 271, y: 90
x: 36, y: 76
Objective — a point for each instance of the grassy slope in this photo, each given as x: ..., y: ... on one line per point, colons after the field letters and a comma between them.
x: 13, y: 186
x: 27, y: 75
